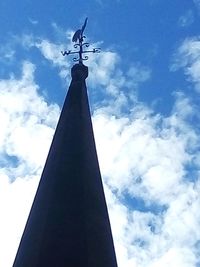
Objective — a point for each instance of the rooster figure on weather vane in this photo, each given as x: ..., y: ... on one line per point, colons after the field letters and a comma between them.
x: 78, y: 39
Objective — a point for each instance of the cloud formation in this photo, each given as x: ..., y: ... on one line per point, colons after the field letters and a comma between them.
x: 27, y: 127
x: 187, y: 19
x: 188, y: 59
x: 150, y: 196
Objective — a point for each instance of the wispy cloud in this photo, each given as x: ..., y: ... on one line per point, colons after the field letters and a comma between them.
x: 33, y: 21
x: 15, y: 202
x: 146, y: 159
x: 188, y: 58
x: 27, y: 126
x: 23, y: 125
x: 187, y: 19
x: 197, y: 3
x: 103, y: 3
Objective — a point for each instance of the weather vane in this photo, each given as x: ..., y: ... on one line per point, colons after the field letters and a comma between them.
x: 78, y: 39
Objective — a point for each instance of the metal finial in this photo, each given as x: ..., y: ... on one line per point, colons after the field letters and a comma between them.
x: 78, y: 39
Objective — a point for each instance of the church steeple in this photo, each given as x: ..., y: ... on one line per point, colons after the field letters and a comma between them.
x: 68, y: 225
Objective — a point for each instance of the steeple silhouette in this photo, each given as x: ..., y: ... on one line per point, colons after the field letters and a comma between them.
x: 68, y: 225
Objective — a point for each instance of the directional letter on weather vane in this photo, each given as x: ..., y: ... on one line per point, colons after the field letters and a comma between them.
x: 78, y: 39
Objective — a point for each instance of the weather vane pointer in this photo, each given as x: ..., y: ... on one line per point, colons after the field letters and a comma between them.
x: 78, y: 39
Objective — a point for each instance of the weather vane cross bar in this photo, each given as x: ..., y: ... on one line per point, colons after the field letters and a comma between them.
x: 78, y: 39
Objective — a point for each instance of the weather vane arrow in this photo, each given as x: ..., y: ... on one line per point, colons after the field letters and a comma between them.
x: 78, y: 39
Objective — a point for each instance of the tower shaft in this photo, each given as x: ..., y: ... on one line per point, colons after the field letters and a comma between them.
x: 68, y: 225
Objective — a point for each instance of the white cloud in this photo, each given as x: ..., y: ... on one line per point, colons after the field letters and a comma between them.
x: 187, y: 19
x: 52, y: 52
x: 15, y: 202
x: 49, y: 50
x: 27, y: 126
x: 188, y: 58
x: 33, y: 21
x: 105, y: 73
x: 176, y: 257
x: 23, y: 124
x: 146, y: 158
x: 103, y: 3
x: 102, y: 66
x: 139, y: 73
x: 7, y: 53
x: 197, y: 3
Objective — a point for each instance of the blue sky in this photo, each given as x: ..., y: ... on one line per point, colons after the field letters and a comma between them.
x: 144, y: 94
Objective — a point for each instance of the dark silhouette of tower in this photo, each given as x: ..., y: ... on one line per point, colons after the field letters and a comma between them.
x: 68, y: 225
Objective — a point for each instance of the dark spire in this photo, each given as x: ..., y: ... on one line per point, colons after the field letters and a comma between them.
x: 68, y: 225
